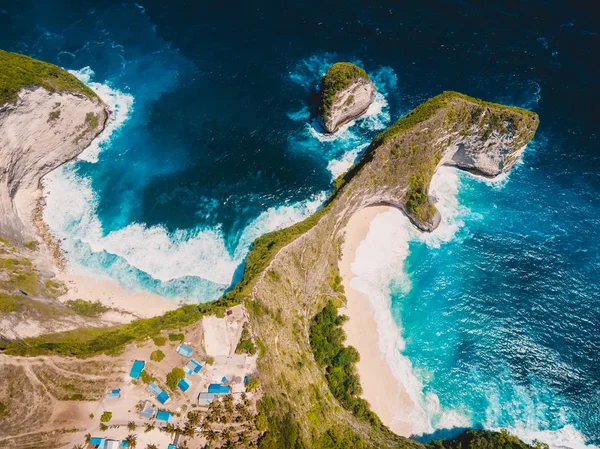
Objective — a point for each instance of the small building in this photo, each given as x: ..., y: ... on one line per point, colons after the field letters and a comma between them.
x: 218, y: 389
x: 148, y: 411
x: 113, y: 395
x: 184, y: 384
x: 96, y: 442
x: 192, y: 367
x: 111, y: 444
x: 185, y: 350
x: 205, y: 399
x: 161, y: 395
x: 164, y: 416
x: 137, y: 368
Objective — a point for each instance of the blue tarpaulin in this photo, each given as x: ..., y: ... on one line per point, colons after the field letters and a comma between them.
x: 184, y: 384
x: 185, y: 350
x: 218, y: 389
x: 137, y: 369
x: 162, y: 397
x: 163, y: 416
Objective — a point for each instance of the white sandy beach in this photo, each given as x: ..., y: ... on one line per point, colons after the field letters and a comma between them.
x: 110, y: 293
x: 381, y: 389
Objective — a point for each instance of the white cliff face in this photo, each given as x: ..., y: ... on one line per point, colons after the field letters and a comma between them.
x: 350, y: 103
x: 42, y: 131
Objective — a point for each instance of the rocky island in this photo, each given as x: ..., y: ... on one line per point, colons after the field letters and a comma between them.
x: 346, y: 92
x: 47, y: 117
x: 307, y: 393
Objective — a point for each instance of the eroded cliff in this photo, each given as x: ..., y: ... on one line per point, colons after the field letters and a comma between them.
x: 346, y: 94
x: 288, y: 275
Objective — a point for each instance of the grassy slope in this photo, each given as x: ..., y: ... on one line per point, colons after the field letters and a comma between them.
x: 283, y: 298
x: 338, y: 77
x: 18, y: 72
x: 289, y: 284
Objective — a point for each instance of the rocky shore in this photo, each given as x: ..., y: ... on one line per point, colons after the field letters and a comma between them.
x: 346, y: 94
x: 39, y: 132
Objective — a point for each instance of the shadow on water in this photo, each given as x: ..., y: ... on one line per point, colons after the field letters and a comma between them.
x: 441, y: 434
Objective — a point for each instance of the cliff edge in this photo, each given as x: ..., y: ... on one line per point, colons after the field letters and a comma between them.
x: 47, y: 117
x: 346, y: 92
x: 291, y: 274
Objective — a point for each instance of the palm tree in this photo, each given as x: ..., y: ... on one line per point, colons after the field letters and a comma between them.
x: 131, y: 441
x: 149, y: 427
x: 152, y: 446
x: 88, y: 438
x: 210, y: 435
x: 131, y: 426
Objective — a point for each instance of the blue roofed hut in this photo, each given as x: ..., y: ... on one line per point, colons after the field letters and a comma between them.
x: 185, y: 350
x: 137, y: 368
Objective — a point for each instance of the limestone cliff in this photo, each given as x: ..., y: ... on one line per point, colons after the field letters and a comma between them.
x: 288, y: 275
x: 39, y: 132
x: 346, y: 93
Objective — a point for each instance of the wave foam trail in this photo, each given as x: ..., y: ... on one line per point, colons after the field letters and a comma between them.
x: 119, y: 103
x: 71, y: 214
x: 379, y: 264
x: 568, y: 437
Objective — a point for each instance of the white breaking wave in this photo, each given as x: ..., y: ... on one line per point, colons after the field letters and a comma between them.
x: 120, y: 104
x: 568, y: 437
x: 71, y: 215
x: 379, y: 263
x: 338, y: 167
x: 376, y: 118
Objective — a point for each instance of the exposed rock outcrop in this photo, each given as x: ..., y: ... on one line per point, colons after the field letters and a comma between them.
x: 346, y: 94
x: 39, y: 132
x: 288, y: 274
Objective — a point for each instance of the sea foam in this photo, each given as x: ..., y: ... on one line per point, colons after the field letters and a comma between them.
x: 379, y: 263
x: 137, y: 251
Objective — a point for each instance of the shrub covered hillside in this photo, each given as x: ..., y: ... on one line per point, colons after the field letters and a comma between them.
x: 338, y: 77
x: 18, y: 72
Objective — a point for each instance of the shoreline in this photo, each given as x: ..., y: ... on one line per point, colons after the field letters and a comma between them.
x: 381, y: 388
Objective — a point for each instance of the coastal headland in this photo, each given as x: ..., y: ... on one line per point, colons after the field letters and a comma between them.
x: 290, y: 275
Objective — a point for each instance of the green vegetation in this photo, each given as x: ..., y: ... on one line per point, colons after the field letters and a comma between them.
x: 176, y: 337
x: 428, y: 109
x: 53, y: 115
x: 159, y: 340
x: 253, y: 383
x: 90, y: 309
x: 174, y: 377
x: 147, y: 377
x: 245, y: 345
x: 55, y: 288
x: 157, y: 355
x: 9, y: 303
x: 483, y: 439
x: 32, y: 245
x: 18, y: 72
x: 327, y: 342
x: 4, y: 410
x: 19, y: 274
x: 106, y: 417
x: 87, y: 342
x: 338, y: 77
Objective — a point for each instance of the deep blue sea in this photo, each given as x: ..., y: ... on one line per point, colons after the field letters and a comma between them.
x: 212, y: 143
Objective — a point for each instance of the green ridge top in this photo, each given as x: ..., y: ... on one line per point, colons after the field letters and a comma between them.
x: 338, y: 77
x: 18, y: 72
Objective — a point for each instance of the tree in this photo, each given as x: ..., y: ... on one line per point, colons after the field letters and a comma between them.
x: 88, y: 438
x: 157, y: 355
x: 131, y: 441
x: 149, y: 427
x: 106, y: 417
x: 152, y: 446
x: 174, y: 377
x: 131, y: 426
x: 103, y: 427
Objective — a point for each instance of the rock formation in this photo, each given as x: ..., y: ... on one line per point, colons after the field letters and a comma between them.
x: 288, y: 274
x: 346, y: 93
x: 39, y: 132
